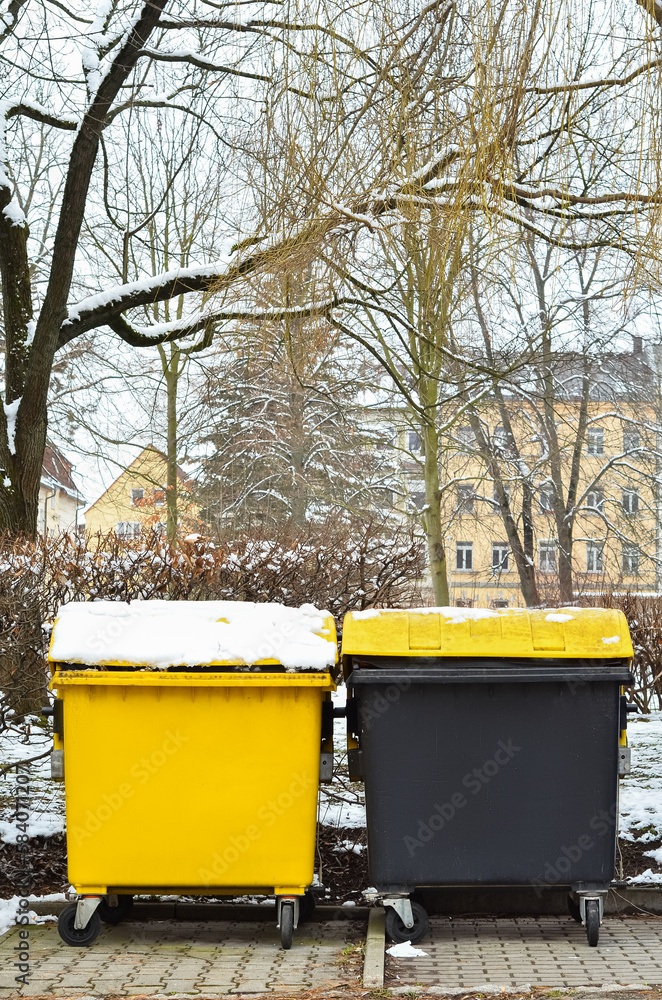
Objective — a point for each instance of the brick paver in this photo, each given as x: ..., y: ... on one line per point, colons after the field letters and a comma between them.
x: 181, y: 957
x: 538, y: 951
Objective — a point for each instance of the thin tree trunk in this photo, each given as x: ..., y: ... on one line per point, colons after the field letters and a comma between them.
x: 432, y: 517
x: 172, y: 378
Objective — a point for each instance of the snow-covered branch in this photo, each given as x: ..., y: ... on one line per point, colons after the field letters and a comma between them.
x: 207, y: 320
x: 106, y: 308
x: 28, y: 109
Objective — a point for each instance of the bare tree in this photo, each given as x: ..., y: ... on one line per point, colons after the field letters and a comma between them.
x: 539, y: 438
x: 373, y: 109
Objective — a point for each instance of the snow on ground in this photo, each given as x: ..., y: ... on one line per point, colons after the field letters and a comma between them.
x: 9, y: 910
x: 342, y: 803
x: 46, y: 797
x: 641, y: 791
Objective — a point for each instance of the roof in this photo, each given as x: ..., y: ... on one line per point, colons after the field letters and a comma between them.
x: 57, y: 471
x: 612, y: 377
x: 585, y: 633
x: 150, y: 447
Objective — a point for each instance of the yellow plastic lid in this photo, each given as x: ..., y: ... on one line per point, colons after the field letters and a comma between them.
x: 600, y: 633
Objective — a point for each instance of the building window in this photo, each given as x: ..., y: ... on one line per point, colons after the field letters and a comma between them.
x: 547, y: 557
x: 418, y: 499
x: 630, y: 559
x: 414, y: 443
x: 499, y: 602
x: 465, y: 499
x: 128, y: 529
x: 546, y: 498
x: 502, y: 441
x: 631, y: 439
x: 506, y: 489
x: 384, y: 497
x: 464, y: 555
x: 595, y: 499
x: 594, y: 557
x: 137, y: 494
x: 464, y: 602
x: 500, y: 557
x: 595, y: 441
x: 631, y: 501
x: 465, y: 436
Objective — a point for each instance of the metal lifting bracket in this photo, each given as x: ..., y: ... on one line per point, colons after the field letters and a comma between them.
x: 402, y: 906
x: 289, y: 899
x: 84, y: 911
x: 583, y: 896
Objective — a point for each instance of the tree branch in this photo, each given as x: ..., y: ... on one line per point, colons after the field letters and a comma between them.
x: 40, y: 115
x: 201, y: 63
x: 163, y: 333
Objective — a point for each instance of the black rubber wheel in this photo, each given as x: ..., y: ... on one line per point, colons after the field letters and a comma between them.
x: 396, y: 930
x: 286, y: 925
x: 573, y: 909
x: 70, y: 934
x: 592, y: 921
x: 306, y: 907
x: 115, y: 914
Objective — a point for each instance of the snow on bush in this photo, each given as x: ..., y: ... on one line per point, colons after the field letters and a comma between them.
x: 338, y: 567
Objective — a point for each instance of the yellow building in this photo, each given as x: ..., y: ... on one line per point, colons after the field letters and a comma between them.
x: 136, y: 500
x: 614, y: 518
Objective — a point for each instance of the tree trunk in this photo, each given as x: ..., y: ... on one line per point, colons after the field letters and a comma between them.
x: 566, y: 588
x: 171, y: 371
x: 432, y: 517
x: 523, y: 558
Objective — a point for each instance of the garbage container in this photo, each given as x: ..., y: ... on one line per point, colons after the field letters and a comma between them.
x: 490, y: 744
x: 190, y: 739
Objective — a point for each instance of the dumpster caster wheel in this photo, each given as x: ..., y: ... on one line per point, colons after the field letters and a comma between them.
x: 592, y: 921
x: 286, y: 925
x: 115, y: 914
x: 573, y: 909
x: 306, y: 907
x: 396, y: 930
x: 70, y: 934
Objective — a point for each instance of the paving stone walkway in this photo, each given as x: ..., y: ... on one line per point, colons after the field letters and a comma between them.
x: 176, y: 957
x: 538, y: 951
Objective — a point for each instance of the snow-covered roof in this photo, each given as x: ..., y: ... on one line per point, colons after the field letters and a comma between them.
x: 161, y: 634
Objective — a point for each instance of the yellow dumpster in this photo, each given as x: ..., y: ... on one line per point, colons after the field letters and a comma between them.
x: 190, y: 738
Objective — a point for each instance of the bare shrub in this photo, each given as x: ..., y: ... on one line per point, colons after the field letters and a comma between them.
x: 338, y: 567
x: 644, y: 617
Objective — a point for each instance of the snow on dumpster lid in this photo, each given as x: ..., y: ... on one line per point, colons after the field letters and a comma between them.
x: 570, y: 632
x: 162, y: 634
